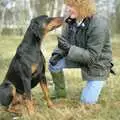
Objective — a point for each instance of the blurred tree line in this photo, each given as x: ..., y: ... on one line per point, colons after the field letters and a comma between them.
x: 15, y: 15
x: 117, y: 15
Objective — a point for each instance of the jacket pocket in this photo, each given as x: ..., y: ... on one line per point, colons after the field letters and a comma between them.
x: 98, y: 70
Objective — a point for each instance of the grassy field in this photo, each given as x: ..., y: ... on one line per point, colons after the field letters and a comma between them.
x: 108, y: 107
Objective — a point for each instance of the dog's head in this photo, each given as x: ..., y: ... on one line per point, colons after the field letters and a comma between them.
x: 6, y: 93
x: 43, y: 24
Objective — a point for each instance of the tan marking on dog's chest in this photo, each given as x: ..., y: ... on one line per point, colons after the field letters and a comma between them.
x: 34, y: 67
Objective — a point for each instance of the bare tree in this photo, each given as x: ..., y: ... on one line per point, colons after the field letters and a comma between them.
x: 118, y: 16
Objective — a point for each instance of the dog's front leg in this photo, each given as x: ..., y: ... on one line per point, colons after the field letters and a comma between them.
x: 28, y: 97
x: 44, y: 87
x: 29, y: 103
x: 30, y: 106
x: 26, y: 76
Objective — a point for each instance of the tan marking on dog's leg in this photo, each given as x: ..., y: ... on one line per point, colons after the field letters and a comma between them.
x: 12, y: 108
x: 18, y: 99
x: 30, y: 106
x: 13, y: 94
x: 14, y: 91
x: 46, y: 95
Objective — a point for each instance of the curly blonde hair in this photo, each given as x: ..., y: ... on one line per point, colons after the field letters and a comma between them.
x: 84, y: 7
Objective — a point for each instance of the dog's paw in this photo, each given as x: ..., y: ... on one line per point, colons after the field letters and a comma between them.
x: 50, y: 104
x: 14, y: 110
x: 30, y: 107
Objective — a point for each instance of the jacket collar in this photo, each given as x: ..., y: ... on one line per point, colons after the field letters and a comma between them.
x: 84, y: 23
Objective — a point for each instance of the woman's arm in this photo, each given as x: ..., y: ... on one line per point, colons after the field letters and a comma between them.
x: 97, y: 34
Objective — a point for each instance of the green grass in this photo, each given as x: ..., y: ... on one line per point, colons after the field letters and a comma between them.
x: 108, y: 107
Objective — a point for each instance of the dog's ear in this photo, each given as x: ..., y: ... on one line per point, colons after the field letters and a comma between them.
x: 37, y: 31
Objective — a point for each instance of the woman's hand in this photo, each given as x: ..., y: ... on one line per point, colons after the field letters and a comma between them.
x: 63, y: 44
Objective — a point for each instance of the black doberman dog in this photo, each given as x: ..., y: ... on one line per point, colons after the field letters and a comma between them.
x: 27, y: 67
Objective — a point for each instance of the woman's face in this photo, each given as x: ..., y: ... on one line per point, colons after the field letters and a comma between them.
x: 73, y: 13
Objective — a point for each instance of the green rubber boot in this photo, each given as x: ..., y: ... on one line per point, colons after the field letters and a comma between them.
x: 59, y: 82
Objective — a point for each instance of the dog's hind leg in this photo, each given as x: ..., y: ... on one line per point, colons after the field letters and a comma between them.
x: 44, y: 87
x: 14, y: 102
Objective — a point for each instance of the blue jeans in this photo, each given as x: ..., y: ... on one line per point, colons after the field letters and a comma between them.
x: 90, y: 93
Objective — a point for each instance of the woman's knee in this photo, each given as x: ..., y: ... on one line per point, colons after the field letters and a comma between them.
x: 58, y: 67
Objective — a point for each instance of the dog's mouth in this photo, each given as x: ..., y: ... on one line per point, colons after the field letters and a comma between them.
x: 54, y: 23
